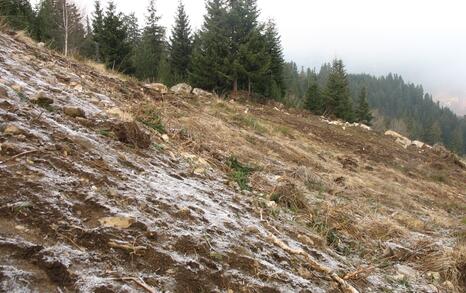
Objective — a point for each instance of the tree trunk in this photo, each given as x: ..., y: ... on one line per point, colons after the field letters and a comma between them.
x: 65, y: 26
x: 235, y: 87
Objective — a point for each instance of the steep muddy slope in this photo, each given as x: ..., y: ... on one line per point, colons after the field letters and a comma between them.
x: 92, y: 201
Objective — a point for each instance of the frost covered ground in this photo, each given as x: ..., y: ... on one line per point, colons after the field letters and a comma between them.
x: 80, y: 210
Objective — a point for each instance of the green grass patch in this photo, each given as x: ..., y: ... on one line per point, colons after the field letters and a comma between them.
x: 106, y: 132
x: 440, y: 177
x: 283, y: 130
x: 150, y: 117
x: 248, y: 121
x: 240, y: 173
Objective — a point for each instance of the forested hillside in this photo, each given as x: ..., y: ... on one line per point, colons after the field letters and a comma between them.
x: 398, y: 105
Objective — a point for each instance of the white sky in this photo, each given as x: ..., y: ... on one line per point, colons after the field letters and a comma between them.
x: 423, y: 40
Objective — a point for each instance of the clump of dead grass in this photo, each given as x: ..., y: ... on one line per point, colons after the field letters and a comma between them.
x: 450, y: 263
x: 120, y: 114
x: 288, y: 195
x: 102, y: 69
x: 380, y: 228
x: 24, y: 37
x: 4, y: 24
x: 310, y: 179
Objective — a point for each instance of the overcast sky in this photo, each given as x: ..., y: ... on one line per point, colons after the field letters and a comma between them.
x: 423, y: 40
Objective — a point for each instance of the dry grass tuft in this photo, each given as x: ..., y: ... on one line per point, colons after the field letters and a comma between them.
x: 24, y: 37
x: 287, y: 195
x: 102, y: 69
x: 380, y: 228
x: 4, y: 24
x: 310, y: 179
x: 450, y: 263
x: 120, y: 114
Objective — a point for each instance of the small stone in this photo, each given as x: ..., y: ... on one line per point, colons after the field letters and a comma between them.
x: 182, y: 89
x: 165, y: 138
x: 305, y: 240
x: 252, y: 230
x: 20, y: 228
x: 11, y: 129
x: 434, y: 276
x: 408, y: 272
x: 116, y: 222
x: 271, y: 204
x: 42, y: 99
x: 449, y: 285
x: 17, y: 88
x: 199, y: 171
x: 159, y: 87
x: 41, y: 45
x: 3, y: 92
x: 202, y: 93
x: 74, y: 112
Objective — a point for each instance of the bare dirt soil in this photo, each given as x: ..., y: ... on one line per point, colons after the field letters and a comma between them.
x: 108, y: 186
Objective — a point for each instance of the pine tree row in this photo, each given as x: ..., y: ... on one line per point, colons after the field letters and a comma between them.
x: 335, y: 98
x: 232, y: 52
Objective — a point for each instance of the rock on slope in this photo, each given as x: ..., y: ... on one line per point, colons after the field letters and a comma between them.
x: 92, y: 201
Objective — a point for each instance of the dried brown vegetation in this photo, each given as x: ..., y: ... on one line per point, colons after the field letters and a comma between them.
x: 344, y: 206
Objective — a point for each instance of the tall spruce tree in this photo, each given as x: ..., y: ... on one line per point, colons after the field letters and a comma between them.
x: 363, y: 113
x: 180, y: 46
x: 314, y: 98
x: 337, y: 93
x: 132, y: 27
x: 88, y: 46
x: 211, y: 48
x: 44, y: 24
x: 115, y: 49
x: 274, y: 87
x: 98, y: 29
x: 242, y: 21
x: 151, y: 49
x: 254, y: 60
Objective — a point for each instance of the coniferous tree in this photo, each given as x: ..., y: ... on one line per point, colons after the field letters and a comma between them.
x: 114, y: 47
x: 337, y: 93
x: 242, y: 21
x: 433, y: 134
x: 254, y: 60
x: 17, y: 13
x: 151, y: 49
x: 98, y: 29
x: 88, y: 46
x: 363, y: 113
x: 59, y: 23
x: 275, y: 85
x: 314, y: 99
x: 132, y: 27
x: 44, y: 26
x: 211, y: 47
x: 180, y: 46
